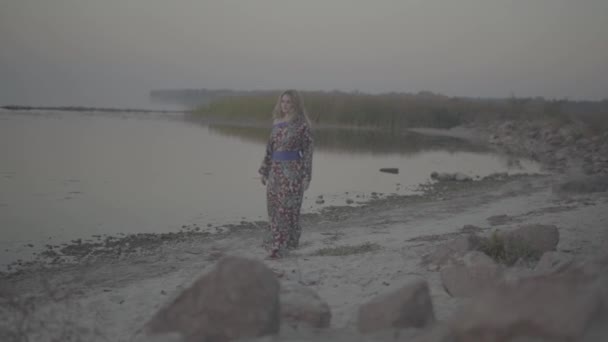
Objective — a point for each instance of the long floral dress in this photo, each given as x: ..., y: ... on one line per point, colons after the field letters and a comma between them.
x: 287, y: 165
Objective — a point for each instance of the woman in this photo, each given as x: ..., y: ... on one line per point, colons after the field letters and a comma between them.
x: 286, y: 172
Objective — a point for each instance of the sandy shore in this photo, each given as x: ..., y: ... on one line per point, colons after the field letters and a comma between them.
x: 112, y: 294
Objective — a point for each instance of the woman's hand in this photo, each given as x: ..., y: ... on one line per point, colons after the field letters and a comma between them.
x: 264, y: 180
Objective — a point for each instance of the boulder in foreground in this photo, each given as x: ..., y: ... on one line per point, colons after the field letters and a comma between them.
x: 303, y: 306
x: 408, y: 307
x: 550, y: 308
x: 238, y: 299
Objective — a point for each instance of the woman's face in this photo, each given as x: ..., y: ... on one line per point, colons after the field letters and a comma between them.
x: 286, y: 104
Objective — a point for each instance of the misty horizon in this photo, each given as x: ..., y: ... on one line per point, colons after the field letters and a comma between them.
x: 112, y: 53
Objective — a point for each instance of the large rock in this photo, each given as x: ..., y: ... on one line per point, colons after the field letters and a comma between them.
x: 408, y: 307
x: 302, y: 306
x: 474, y: 273
x: 238, y: 299
x: 549, y: 308
x: 536, y: 239
x: 451, y: 251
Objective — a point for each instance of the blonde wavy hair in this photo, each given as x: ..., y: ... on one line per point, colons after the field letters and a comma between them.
x: 298, y: 104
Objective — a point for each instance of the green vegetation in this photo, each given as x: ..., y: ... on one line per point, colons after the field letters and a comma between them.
x: 356, y: 140
x: 246, y: 107
x: 347, y: 249
x: 401, y: 110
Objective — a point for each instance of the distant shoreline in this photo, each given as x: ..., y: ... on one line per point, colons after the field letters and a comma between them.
x: 92, y: 109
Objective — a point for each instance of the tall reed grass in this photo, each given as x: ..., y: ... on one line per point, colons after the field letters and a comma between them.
x: 401, y: 110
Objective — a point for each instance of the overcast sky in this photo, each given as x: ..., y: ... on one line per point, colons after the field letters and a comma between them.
x: 104, y: 52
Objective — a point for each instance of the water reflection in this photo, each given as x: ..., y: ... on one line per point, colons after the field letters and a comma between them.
x: 359, y: 141
x: 104, y: 173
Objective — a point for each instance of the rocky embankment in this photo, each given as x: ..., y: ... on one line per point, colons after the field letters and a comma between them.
x: 563, y: 148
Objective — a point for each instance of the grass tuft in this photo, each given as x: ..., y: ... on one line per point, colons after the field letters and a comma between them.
x: 507, y: 250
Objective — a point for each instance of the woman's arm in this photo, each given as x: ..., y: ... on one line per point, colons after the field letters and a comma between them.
x: 265, y: 167
x: 307, y: 150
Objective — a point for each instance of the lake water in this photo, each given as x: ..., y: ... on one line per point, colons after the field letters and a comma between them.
x: 67, y: 175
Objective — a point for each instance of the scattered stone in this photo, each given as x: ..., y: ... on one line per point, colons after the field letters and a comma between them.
x: 408, y: 307
x: 474, y: 273
x: 444, y: 176
x: 301, y: 305
x: 349, y: 201
x: 496, y: 176
x: 237, y: 299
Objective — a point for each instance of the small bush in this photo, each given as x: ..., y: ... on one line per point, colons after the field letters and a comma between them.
x: 507, y: 250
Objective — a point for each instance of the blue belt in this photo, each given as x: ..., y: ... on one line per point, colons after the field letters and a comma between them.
x: 286, y: 155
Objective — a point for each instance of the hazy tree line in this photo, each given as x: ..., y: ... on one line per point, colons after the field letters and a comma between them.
x: 400, y: 110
